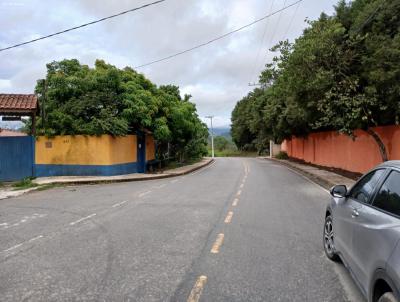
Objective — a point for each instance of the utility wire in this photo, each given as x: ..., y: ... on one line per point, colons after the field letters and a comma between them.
x: 369, y: 19
x: 83, y: 25
x: 276, y: 27
x: 291, y: 20
x: 217, y: 38
x: 277, y: 24
x: 262, y: 41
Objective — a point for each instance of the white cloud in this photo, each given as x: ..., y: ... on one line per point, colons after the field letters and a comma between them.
x: 216, y: 75
x: 5, y: 85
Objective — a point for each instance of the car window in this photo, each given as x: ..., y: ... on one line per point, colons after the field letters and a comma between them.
x: 365, y: 187
x: 388, y: 197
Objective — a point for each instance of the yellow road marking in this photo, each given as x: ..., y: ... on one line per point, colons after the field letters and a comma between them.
x: 197, y: 289
x: 217, y: 244
x: 228, y: 218
x: 235, y: 202
x: 239, y: 192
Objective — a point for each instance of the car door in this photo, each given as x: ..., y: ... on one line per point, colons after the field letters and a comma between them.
x: 376, y: 229
x: 347, y: 212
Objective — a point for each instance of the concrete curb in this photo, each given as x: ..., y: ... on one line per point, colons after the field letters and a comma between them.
x: 170, y: 174
x: 16, y: 193
x: 322, y: 181
x: 136, y: 177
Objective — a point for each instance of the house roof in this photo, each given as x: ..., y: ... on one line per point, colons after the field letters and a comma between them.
x: 18, y: 103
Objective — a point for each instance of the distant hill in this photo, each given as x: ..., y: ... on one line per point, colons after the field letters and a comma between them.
x: 222, y: 131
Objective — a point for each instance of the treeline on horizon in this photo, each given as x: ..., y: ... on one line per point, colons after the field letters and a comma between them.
x: 76, y: 99
x: 342, y: 74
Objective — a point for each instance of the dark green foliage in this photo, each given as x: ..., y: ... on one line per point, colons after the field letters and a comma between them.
x: 75, y: 99
x: 282, y: 155
x: 248, y: 125
x: 222, y: 143
x: 343, y: 73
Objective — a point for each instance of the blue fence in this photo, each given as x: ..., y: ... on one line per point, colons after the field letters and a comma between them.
x: 16, y: 157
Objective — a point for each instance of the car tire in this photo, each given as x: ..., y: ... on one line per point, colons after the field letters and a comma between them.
x: 328, y: 241
x: 388, y: 297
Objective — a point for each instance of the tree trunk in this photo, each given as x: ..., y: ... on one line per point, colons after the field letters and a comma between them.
x: 381, y: 145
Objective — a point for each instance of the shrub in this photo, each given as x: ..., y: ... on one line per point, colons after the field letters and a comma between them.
x: 282, y: 155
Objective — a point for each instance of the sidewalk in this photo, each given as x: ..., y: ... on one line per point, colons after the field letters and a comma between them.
x: 322, y: 177
x: 8, y: 192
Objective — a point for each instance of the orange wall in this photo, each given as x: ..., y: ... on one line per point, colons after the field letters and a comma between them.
x: 150, y: 148
x: 332, y: 149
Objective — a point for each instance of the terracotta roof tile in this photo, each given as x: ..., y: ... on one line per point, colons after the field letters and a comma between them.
x: 18, y: 101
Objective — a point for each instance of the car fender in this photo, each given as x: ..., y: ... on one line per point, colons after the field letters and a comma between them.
x: 382, y: 274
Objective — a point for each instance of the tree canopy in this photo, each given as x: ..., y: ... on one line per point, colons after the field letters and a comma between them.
x: 342, y: 73
x: 76, y: 99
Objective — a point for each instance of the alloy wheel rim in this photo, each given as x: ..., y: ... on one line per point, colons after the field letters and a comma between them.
x: 328, y: 237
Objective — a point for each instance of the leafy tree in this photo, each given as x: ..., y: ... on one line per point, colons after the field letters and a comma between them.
x: 76, y: 99
x: 342, y: 74
x: 220, y: 143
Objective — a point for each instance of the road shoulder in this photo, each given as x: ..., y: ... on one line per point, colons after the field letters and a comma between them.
x: 323, y: 178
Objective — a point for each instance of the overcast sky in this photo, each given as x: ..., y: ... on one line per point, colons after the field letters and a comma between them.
x: 216, y: 75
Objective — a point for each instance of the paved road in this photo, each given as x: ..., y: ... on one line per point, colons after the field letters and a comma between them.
x: 238, y: 230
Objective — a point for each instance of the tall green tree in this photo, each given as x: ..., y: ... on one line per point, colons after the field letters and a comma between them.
x: 342, y: 73
x: 76, y: 99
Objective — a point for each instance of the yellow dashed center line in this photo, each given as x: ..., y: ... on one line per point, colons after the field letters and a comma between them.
x: 235, y: 202
x: 228, y: 218
x: 202, y: 280
x: 197, y: 289
x: 217, y: 244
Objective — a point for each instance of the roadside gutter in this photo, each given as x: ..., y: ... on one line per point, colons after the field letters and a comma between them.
x: 324, y: 178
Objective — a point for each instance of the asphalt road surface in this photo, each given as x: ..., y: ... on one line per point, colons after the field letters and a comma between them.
x: 237, y: 230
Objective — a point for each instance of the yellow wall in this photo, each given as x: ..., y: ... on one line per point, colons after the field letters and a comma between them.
x: 123, y: 149
x: 85, y: 150
x: 150, y: 148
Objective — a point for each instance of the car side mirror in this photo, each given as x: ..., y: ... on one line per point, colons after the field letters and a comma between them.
x: 339, y: 191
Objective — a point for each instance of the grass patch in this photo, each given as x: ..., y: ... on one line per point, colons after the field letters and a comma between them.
x: 26, y: 183
x: 175, y: 164
x: 47, y: 187
x: 232, y: 153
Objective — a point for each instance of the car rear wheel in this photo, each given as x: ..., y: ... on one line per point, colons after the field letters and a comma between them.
x: 329, y: 245
x: 388, y: 297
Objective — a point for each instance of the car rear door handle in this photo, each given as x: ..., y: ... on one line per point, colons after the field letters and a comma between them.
x: 354, y: 213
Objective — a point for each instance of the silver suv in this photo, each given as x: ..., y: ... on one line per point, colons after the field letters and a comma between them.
x: 362, y: 228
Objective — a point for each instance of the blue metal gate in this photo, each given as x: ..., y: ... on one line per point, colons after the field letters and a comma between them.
x: 16, y: 157
x: 141, y: 153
